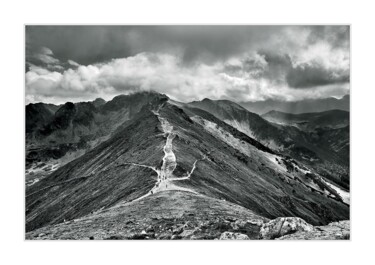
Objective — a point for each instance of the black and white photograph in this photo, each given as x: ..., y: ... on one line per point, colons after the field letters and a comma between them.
x: 187, y: 132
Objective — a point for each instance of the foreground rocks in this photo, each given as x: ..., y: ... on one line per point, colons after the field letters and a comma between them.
x: 233, y: 236
x: 189, y: 227
x: 175, y: 215
x: 186, y: 227
x: 283, y: 226
x: 333, y: 231
x: 294, y: 228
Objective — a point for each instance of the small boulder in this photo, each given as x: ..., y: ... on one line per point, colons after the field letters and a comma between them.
x: 187, y: 233
x: 230, y: 219
x: 257, y: 222
x: 284, y: 226
x: 177, y: 230
x: 233, y: 236
x: 150, y: 229
x: 164, y: 236
x: 174, y: 237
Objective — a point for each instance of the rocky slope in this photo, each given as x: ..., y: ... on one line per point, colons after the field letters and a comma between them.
x: 333, y: 231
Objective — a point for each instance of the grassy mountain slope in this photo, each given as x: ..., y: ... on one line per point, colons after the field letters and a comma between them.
x: 161, y: 216
x: 100, y: 178
x: 55, y: 138
x: 308, y: 147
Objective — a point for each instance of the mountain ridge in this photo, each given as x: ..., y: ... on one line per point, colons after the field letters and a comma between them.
x: 316, y: 148
x: 113, y: 159
x: 164, y: 148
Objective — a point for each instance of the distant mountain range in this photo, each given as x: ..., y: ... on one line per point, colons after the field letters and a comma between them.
x: 144, y: 166
x: 296, y: 107
x: 310, y: 121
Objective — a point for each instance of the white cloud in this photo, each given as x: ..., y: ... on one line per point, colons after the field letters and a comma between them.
x: 321, y: 52
x: 47, y: 59
x: 46, y: 51
x: 239, y: 79
x: 73, y: 63
x: 46, y: 56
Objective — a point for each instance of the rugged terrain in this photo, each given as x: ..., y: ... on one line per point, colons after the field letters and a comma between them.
x: 56, y: 135
x: 322, y: 143
x: 167, y: 170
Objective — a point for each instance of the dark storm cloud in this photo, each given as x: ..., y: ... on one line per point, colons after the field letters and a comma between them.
x: 92, y: 44
x: 187, y: 62
x: 82, y: 44
x: 337, y: 36
x: 312, y: 76
x: 302, y: 76
x: 278, y: 65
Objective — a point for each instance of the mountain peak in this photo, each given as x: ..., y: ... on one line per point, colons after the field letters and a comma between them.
x: 135, y: 99
x: 98, y: 102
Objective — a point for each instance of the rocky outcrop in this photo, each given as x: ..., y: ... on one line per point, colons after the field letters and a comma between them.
x: 333, y: 231
x: 233, y: 236
x: 283, y: 226
x: 294, y: 228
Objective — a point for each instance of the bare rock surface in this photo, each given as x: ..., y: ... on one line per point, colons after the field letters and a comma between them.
x: 333, y: 231
x: 233, y: 236
x: 283, y: 226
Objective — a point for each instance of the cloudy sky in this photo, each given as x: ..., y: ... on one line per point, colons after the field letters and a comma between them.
x: 240, y: 63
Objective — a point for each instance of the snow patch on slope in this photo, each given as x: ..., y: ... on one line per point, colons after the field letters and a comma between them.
x: 242, y: 127
x: 343, y: 194
x: 222, y: 134
x: 245, y: 128
x: 276, y: 160
x: 240, y: 145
